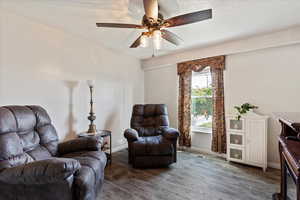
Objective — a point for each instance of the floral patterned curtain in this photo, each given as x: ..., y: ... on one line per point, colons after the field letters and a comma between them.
x: 218, y: 122
x: 184, y: 109
x: 184, y: 70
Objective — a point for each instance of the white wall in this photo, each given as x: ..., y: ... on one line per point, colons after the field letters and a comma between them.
x: 161, y: 86
x: 268, y: 78
x: 43, y: 65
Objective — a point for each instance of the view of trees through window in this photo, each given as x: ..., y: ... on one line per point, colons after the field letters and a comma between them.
x: 202, y: 101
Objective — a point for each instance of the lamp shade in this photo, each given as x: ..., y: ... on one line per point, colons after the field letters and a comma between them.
x: 157, y: 39
x: 144, y: 41
x: 91, y: 83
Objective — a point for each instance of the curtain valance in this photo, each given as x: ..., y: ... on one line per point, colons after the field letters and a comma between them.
x: 217, y: 62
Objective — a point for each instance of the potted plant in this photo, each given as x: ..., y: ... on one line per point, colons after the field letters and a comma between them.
x: 243, y: 109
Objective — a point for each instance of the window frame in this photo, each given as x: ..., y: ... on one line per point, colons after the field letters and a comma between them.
x: 197, y: 129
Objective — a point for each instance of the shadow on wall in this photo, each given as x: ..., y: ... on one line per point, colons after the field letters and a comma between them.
x: 110, y: 120
x: 111, y: 123
x: 71, y: 120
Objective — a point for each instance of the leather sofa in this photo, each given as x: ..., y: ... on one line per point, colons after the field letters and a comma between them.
x: 35, y: 166
x: 151, y: 142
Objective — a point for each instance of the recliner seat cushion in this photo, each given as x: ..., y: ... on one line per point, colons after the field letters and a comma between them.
x: 91, y: 171
x: 151, y: 146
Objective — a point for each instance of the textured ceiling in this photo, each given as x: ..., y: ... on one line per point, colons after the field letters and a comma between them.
x: 232, y: 19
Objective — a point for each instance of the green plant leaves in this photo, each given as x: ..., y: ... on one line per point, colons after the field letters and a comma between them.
x: 243, y: 109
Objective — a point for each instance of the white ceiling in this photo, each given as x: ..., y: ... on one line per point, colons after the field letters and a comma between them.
x: 232, y: 19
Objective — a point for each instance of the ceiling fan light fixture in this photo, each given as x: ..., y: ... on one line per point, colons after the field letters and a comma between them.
x: 144, y: 41
x: 156, y: 36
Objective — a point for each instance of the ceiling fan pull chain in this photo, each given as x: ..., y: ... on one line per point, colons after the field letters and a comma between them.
x: 153, y: 51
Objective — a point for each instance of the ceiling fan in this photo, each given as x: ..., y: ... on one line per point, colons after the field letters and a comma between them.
x: 156, y: 25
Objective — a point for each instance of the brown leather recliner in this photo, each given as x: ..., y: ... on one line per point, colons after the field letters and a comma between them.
x: 34, y: 166
x: 151, y: 143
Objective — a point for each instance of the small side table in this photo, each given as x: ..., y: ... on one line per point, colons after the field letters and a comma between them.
x: 106, y: 146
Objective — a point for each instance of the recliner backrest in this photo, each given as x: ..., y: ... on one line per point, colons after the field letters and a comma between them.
x: 148, y: 119
x: 26, y: 135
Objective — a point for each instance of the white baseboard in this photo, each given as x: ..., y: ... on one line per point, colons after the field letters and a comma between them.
x: 119, y: 147
x: 205, y: 151
x: 274, y: 165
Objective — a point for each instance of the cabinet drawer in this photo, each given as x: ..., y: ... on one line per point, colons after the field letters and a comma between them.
x: 236, y: 125
x: 236, y: 154
x: 236, y: 139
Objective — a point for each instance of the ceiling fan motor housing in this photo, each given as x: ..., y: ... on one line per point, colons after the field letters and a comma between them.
x: 153, y: 24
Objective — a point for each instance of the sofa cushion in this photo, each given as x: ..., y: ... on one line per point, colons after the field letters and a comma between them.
x: 92, y: 168
x: 151, y: 146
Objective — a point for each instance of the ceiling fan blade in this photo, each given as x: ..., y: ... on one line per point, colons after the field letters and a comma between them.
x: 151, y: 8
x: 116, y: 25
x: 171, y: 37
x: 189, y: 18
x: 136, y: 43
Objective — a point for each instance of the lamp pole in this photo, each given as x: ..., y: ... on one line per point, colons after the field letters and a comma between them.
x: 92, y: 116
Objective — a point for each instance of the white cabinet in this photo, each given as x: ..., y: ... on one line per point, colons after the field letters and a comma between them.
x: 247, y: 139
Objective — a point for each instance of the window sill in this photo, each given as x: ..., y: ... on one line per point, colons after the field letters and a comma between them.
x: 201, y: 130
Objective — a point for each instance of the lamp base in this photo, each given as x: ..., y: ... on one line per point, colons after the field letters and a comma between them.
x: 92, y: 129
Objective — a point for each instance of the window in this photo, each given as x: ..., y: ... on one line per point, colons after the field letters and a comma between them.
x: 202, y: 101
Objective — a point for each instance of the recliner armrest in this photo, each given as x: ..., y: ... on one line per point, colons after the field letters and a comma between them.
x: 41, y: 172
x: 170, y: 133
x: 131, y: 135
x: 92, y: 143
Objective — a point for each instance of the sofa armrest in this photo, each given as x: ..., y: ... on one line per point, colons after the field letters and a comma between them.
x: 40, y: 172
x: 92, y: 143
x: 131, y: 135
x: 170, y: 133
